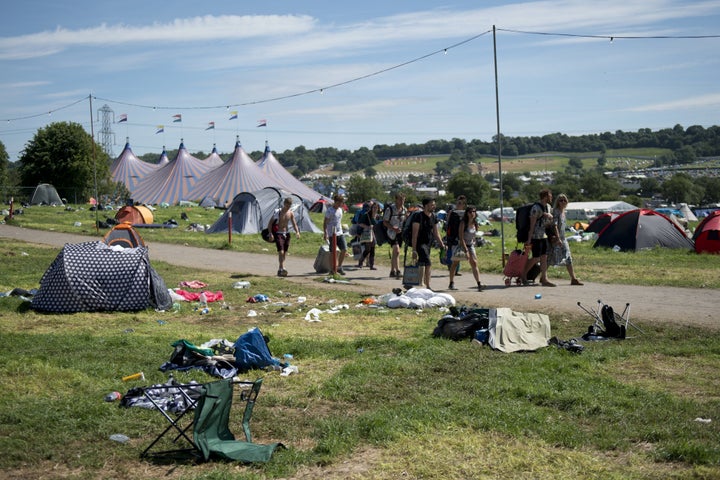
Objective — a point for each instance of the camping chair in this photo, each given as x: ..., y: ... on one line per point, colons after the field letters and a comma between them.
x: 212, y: 403
x: 600, y: 324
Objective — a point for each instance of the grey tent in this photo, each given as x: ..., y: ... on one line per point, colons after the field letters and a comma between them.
x: 640, y: 229
x: 252, y: 211
x: 92, y: 276
x: 45, y: 194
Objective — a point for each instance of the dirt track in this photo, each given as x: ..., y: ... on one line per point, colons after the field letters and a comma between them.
x: 648, y: 305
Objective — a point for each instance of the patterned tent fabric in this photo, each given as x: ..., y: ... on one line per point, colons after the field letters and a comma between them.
x: 273, y: 169
x: 129, y: 169
x: 163, y: 159
x: 173, y: 182
x: 91, y: 276
x: 239, y: 174
x: 214, y: 159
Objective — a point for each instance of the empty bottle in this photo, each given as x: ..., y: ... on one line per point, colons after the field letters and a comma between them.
x: 203, y: 300
x: 113, y: 396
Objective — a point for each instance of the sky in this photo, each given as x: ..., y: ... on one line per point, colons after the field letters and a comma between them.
x: 353, y: 74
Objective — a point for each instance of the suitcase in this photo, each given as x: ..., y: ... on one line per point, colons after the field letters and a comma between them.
x: 323, y: 261
x: 517, y: 260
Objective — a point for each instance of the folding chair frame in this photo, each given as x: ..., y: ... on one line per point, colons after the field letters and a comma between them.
x: 248, y: 393
x: 623, y: 318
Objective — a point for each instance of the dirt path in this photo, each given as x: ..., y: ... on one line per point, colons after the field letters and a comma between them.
x: 698, y: 307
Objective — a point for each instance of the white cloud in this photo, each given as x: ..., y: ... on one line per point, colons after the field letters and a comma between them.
x: 703, y: 101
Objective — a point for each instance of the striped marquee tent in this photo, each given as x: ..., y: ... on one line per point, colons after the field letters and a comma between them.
x: 273, y: 169
x: 173, y: 182
x: 129, y: 169
x: 239, y: 174
x: 163, y: 160
x: 214, y: 159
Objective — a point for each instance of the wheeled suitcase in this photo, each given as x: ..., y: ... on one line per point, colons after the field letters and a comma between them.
x: 516, y: 262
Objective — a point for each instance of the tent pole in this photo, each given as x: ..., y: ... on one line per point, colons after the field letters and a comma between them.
x: 94, y: 156
x: 499, y: 150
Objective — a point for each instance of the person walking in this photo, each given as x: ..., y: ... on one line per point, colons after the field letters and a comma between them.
x: 424, y: 231
x: 282, y: 218
x: 367, y: 236
x: 333, y: 232
x: 466, y: 242
x: 393, y: 220
x: 540, y: 219
x: 560, y: 250
x: 453, y: 233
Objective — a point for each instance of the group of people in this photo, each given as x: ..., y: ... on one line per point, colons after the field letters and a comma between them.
x: 547, y: 243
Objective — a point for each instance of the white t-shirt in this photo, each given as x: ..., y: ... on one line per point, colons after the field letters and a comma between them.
x: 334, y: 221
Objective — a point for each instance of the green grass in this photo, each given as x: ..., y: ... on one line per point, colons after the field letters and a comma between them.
x: 376, y: 395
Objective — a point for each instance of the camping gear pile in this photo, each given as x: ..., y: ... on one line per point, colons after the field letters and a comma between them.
x: 501, y: 328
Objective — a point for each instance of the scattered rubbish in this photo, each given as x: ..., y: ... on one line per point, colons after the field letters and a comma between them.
x: 241, y: 285
x: 78, y: 224
x: 259, y: 298
x: 161, y: 322
x: 360, y: 350
x: 703, y: 420
x: 301, y: 299
x: 113, y: 396
x: 176, y: 307
x: 203, y: 300
x: 252, y: 313
x: 204, y: 311
x: 134, y: 376
x: 119, y: 437
x: 129, y: 330
x: 538, y: 296
x: 616, y: 248
x: 288, y: 370
x: 313, y: 315
x: 288, y: 357
x: 332, y: 280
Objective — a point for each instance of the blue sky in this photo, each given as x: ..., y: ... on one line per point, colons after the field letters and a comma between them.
x: 151, y: 60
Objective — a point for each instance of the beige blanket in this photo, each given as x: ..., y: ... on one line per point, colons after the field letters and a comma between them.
x: 512, y: 331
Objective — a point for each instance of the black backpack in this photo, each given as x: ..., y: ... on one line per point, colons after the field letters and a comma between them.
x: 452, y: 226
x: 611, y: 327
x: 458, y: 328
x: 522, y: 222
x: 407, y: 227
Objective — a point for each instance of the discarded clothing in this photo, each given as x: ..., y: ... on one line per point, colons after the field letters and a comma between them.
x: 166, y: 399
x: 192, y: 284
x: 195, y: 296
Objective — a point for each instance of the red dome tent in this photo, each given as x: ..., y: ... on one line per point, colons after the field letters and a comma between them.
x: 640, y: 229
x: 707, y: 234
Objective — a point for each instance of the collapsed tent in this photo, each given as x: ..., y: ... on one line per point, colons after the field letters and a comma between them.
x: 134, y: 215
x: 641, y: 229
x: 239, y: 174
x: 511, y: 331
x: 707, y: 234
x: 173, y: 182
x: 45, y: 194
x: 271, y: 167
x: 252, y: 211
x: 129, y: 169
x: 92, y: 276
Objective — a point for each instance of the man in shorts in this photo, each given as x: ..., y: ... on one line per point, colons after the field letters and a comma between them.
x: 332, y: 227
x: 540, y: 218
x: 424, y: 231
x: 281, y: 236
x: 393, y: 220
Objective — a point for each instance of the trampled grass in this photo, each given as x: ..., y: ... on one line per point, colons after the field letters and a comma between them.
x: 375, y: 397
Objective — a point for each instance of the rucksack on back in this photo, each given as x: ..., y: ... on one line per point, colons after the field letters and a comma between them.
x: 522, y: 222
x: 407, y: 227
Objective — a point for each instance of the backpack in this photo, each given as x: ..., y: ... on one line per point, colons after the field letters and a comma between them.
x: 612, y: 329
x: 452, y: 226
x: 407, y: 227
x: 458, y: 328
x: 522, y: 222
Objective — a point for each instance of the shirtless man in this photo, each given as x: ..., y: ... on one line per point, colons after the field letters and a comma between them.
x: 281, y: 235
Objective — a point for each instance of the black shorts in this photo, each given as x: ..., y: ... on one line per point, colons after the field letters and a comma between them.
x: 424, y: 255
x: 539, y: 247
x: 282, y: 241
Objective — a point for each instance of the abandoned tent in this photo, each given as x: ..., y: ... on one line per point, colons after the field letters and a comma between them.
x: 641, y: 229
x: 94, y: 277
x: 252, y: 211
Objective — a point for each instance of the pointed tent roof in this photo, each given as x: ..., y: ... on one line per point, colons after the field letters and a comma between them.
x: 687, y: 213
x: 214, y: 159
x: 163, y: 160
x: 237, y: 175
x: 640, y: 229
x: 173, y: 182
x: 129, y: 169
x: 272, y: 168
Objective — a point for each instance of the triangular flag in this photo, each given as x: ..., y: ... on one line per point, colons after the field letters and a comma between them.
x: 233, y: 115
x: 123, y: 117
x: 177, y: 118
x: 262, y: 123
x: 160, y: 129
x: 211, y: 126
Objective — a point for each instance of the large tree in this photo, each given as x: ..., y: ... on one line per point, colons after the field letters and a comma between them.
x: 474, y: 187
x: 62, y: 154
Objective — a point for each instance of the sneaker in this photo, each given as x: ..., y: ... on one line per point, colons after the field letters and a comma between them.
x: 284, y: 273
x: 393, y: 274
x: 341, y: 271
x: 373, y: 268
x: 452, y: 286
x: 280, y: 273
x: 480, y: 287
x: 398, y: 274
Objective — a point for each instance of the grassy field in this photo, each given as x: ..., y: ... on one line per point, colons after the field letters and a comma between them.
x: 376, y: 397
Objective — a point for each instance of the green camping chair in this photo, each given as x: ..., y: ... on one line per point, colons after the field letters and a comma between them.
x: 211, y: 435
